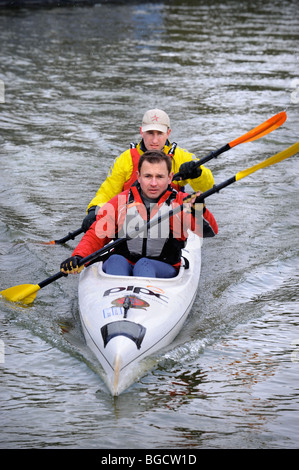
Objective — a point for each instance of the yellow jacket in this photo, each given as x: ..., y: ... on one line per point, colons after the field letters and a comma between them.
x: 121, y: 171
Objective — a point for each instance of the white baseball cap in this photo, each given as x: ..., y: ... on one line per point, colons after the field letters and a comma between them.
x: 155, y: 120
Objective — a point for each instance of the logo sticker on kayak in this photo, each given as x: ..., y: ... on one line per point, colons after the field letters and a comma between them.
x: 135, y: 302
x: 137, y: 290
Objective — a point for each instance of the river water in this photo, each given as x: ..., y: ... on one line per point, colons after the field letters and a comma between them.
x: 75, y: 83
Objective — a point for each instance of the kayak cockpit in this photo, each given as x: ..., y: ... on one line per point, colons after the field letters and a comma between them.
x: 126, y: 328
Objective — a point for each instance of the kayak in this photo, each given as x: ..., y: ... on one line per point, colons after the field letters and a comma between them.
x: 126, y: 319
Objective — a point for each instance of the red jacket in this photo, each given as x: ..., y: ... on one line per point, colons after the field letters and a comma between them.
x: 113, y: 221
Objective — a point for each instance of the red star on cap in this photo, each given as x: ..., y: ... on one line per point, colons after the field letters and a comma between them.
x: 155, y: 118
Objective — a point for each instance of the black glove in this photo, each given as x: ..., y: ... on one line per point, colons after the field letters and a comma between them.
x: 89, y: 219
x: 190, y: 170
x: 71, y: 265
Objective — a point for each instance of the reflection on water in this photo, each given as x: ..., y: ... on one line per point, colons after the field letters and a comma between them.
x: 77, y: 82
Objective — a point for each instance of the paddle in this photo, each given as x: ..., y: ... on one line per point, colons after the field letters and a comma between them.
x: 263, y: 129
x: 70, y: 236
x: 26, y: 293
x: 260, y: 131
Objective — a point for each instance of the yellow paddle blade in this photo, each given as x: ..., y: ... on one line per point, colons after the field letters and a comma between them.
x: 263, y: 129
x: 269, y: 161
x: 24, y: 293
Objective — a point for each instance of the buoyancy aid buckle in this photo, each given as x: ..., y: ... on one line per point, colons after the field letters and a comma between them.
x: 172, y: 150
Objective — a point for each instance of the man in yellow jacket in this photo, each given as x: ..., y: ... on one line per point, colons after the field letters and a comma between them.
x: 155, y: 130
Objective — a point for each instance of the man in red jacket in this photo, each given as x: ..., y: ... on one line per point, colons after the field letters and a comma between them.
x: 156, y: 253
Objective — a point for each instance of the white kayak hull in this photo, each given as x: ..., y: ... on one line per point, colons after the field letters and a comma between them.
x: 120, y: 338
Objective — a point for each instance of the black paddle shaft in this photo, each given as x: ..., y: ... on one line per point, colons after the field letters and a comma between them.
x: 69, y: 236
x: 213, y: 154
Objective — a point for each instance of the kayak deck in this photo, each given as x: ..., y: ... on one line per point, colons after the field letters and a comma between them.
x: 126, y: 319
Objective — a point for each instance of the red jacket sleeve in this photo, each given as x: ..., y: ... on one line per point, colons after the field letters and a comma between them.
x: 89, y: 243
x: 210, y: 227
x: 104, y: 229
